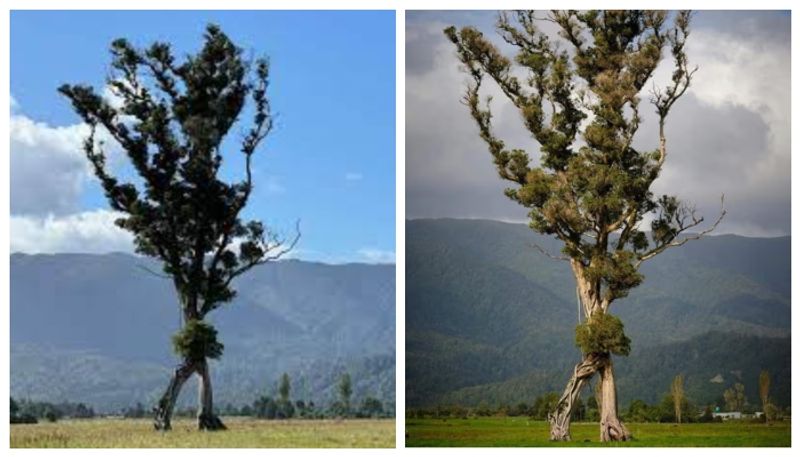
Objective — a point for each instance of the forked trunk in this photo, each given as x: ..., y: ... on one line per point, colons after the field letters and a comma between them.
x: 560, y: 417
x: 611, y: 428
x: 206, y: 419
x: 163, y: 412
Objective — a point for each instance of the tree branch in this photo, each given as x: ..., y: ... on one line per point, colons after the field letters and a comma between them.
x: 545, y: 252
x: 683, y: 226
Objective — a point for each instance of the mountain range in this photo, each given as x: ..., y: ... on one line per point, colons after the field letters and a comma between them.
x: 491, y: 320
x: 96, y: 329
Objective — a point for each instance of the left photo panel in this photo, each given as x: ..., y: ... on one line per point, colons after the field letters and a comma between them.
x: 202, y: 229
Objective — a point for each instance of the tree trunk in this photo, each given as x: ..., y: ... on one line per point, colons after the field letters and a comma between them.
x: 206, y: 419
x: 163, y: 412
x: 560, y: 417
x: 611, y: 428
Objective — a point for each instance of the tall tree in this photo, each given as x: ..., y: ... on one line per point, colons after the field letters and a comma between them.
x: 345, y: 391
x: 677, y: 395
x: 763, y: 391
x: 170, y: 121
x: 591, y: 187
x: 284, y: 388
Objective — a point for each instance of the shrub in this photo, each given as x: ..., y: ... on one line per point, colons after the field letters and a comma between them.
x: 602, y: 333
x: 197, y: 340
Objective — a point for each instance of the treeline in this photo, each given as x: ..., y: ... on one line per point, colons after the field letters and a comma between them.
x: 283, y: 406
x: 637, y: 411
x: 30, y: 412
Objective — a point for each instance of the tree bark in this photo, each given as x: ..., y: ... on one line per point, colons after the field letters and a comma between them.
x: 560, y: 417
x: 163, y: 412
x: 611, y: 428
x: 206, y: 419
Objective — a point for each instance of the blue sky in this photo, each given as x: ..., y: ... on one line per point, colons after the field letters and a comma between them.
x: 329, y: 163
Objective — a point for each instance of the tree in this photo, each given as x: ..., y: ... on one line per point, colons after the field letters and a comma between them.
x: 170, y: 121
x: 285, y: 388
x: 371, y: 407
x: 591, y: 187
x: 265, y: 407
x: 677, y: 395
x: 579, y: 412
x: 544, y: 404
x: 345, y: 391
x: 763, y: 391
x: 592, y: 412
x: 639, y: 411
x: 734, y: 397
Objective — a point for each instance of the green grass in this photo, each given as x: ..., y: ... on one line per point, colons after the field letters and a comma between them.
x: 519, y: 431
x: 242, y: 432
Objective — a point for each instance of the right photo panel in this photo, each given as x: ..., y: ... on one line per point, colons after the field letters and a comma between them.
x: 598, y: 219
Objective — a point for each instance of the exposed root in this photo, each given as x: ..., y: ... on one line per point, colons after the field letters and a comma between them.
x: 210, y: 422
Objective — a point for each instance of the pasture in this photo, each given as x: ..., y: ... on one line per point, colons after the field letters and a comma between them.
x: 241, y: 433
x: 522, y: 432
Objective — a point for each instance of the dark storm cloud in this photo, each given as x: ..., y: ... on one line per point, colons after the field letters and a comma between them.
x: 729, y: 134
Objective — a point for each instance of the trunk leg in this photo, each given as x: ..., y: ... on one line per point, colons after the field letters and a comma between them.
x: 206, y: 419
x: 560, y: 417
x: 611, y: 428
x: 163, y: 412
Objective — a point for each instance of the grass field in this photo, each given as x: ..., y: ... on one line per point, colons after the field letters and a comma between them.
x: 242, y: 432
x: 518, y: 431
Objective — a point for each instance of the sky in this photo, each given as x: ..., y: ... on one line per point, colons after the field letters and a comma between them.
x: 730, y: 133
x: 329, y: 163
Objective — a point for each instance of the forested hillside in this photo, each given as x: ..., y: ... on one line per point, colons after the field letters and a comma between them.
x: 96, y: 329
x: 490, y: 319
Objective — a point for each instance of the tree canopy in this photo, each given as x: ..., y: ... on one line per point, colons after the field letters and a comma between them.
x: 171, y: 124
x: 581, y: 103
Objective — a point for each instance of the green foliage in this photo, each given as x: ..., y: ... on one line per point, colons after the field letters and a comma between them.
x: 371, y: 407
x: 543, y: 405
x: 30, y: 412
x: 591, y: 182
x: 172, y: 120
x: 602, y: 334
x: 772, y: 412
x: 345, y: 390
x: 639, y: 411
x: 197, y: 340
x: 284, y: 389
x: 266, y: 407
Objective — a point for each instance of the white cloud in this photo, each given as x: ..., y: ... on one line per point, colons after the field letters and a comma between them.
x: 48, y: 168
x: 371, y: 255
x: 85, y: 232
x: 729, y: 134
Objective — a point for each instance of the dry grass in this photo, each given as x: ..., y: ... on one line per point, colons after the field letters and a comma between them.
x: 241, y: 433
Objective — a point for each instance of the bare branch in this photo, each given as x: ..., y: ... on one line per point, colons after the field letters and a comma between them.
x: 548, y: 254
x: 278, y: 250
x: 154, y: 273
x: 682, y: 228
